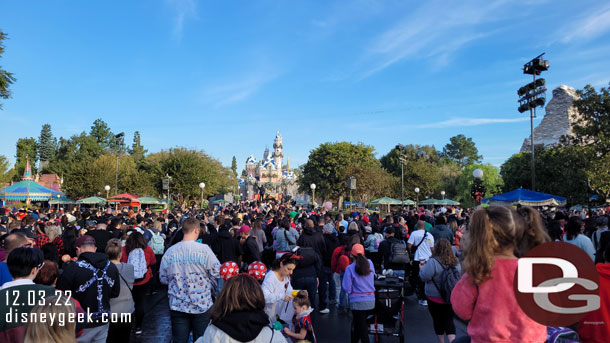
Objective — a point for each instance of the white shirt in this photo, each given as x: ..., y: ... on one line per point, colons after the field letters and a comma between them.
x: 275, y: 291
x: 18, y: 282
x: 424, y: 250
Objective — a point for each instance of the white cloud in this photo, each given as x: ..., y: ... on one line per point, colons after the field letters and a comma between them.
x: 462, y: 122
x: 236, y: 91
x: 590, y: 26
x: 436, y: 30
x: 185, y: 9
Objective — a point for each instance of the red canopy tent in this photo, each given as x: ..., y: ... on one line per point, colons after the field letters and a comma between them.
x: 125, y: 200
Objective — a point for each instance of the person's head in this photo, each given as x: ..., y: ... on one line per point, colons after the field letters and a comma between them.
x: 84, y: 244
x: 601, y: 221
x: 352, y: 228
x: 15, y: 240
x: 533, y: 234
x: 309, y: 224
x: 495, y: 230
x: 554, y: 230
x: 285, y: 265
x: 441, y: 220
x: 362, y: 263
x: 113, y: 249
x: 573, y: 227
x: 444, y: 254
x: 135, y: 240
x: 244, y: 231
x: 235, y: 221
x: 301, y: 302
x: 47, y: 275
x: 389, y: 232
x: 285, y: 224
x: 53, y: 231
x: 59, y: 330
x: 191, y: 229
x: 24, y: 263
x: 453, y: 225
x: 421, y: 224
x: 241, y: 293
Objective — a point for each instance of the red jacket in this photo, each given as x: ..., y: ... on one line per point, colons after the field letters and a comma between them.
x: 595, y: 327
x: 149, y: 255
x: 340, y: 260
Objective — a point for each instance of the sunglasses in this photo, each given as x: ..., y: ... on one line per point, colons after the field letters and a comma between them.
x: 40, y: 265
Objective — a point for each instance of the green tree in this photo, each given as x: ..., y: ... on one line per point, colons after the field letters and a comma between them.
x: 188, y: 168
x: 327, y: 165
x: 371, y: 182
x: 6, y: 78
x: 46, y: 145
x: 592, y: 121
x: 4, y: 169
x: 420, y: 166
x: 462, y: 150
x: 137, y: 151
x: 234, y: 166
x: 599, y: 176
x: 560, y: 170
x: 491, y: 180
x: 449, y: 171
x: 102, y: 134
x: 26, y: 150
x: 72, y: 153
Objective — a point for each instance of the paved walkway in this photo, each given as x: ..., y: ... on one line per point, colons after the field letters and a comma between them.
x: 330, y: 328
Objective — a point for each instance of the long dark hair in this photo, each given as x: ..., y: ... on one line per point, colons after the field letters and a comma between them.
x: 362, y: 265
x: 573, y: 227
x: 134, y: 241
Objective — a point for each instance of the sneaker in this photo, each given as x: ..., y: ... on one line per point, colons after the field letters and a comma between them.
x: 423, y: 302
x: 325, y: 311
x: 138, y: 331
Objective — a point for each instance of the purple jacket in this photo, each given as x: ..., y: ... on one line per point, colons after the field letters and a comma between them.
x: 359, y: 288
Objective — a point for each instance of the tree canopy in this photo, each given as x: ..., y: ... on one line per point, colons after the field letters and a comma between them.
x: 462, y: 150
x: 6, y: 78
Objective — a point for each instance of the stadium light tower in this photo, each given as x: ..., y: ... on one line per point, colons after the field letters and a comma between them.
x: 531, y: 96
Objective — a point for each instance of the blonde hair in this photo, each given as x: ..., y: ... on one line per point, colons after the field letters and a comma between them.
x: 113, y: 248
x: 58, y: 331
x: 53, y: 231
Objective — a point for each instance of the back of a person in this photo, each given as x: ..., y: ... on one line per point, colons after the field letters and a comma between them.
x: 124, y: 302
x: 442, y: 231
x: 495, y: 314
x: 215, y: 335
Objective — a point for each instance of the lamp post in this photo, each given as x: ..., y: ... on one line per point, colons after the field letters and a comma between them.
x: 107, y: 188
x: 202, y: 186
x: 443, y: 194
x: 120, y: 139
x: 313, y: 194
x: 478, y: 190
x: 58, y: 196
x: 417, y: 196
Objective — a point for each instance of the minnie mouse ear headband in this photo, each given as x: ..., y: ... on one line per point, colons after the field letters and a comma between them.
x: 290, y: 256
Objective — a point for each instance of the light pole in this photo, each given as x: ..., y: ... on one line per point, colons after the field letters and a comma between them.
x: 107, y: 188
x: 443, y: 194
x: 58, y: 196
x: 313, y: 194
x: 119, y: 142
x: 478, y: 190
x: 400, y: 148
x: 202, y: 186
x: 417, y: 196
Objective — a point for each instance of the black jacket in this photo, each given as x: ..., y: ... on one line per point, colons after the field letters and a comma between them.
x: 76, y: 276
x: 226, y: 247
x: 251, y: 252
x: 309, y: 266
x: 312, y: 239
x: 331, y: 243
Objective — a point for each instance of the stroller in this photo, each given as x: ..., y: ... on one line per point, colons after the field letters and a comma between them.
x: 388, y: 317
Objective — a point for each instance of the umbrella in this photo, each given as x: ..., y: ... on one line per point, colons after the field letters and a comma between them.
x: 446, y: 202
x: 386, y: 201
x: 430, y: 201
x: 92, y: 201
x: 526, y: 197
x: 219, y: 201
x: 148, y: 200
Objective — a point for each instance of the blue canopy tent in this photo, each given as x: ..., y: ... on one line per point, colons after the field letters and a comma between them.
x: 525, y: 197
x: 27, y: 190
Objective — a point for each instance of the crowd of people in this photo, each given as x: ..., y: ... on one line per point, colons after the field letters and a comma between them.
x: 266, y: 271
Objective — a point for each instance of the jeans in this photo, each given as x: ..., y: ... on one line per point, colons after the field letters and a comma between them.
x: 139, y: 299
x: 343, y: 297
x: 327, y: 288
x: 337, y: 281
x: 97, y: 334
x: 309, y: 284
x: 184, y: 323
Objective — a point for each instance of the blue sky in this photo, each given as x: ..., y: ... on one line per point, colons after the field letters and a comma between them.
x: 223, y: 76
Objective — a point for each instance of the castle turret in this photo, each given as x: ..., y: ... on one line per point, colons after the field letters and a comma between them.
x: 278, y: 155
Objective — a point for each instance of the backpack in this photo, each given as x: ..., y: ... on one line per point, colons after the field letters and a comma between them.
x: 377, y: 240
x: 157, y: 243
x: 449, y: 278
x: 138, y: 260
x: 399, y: 253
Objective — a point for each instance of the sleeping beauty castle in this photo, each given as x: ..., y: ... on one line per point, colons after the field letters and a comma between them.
x: 269, y: 177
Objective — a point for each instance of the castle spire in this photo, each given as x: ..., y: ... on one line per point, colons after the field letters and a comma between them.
x: 27, y: 173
